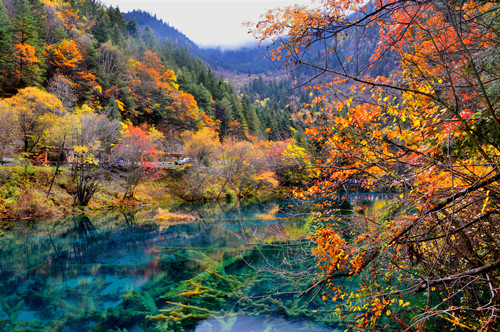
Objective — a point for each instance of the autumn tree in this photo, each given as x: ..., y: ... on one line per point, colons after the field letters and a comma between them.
x: 34, y: 111
x: 202, y: 146
x: 295, y: 165
x: 431, y: 127
x: 200, y: 175
x: 65, y: 57
x: 92, y: 138
x: 8, y: 140
x: 60, y: 135
x: 158, y: 97
x: 136, y: 155
x: 240, y: 168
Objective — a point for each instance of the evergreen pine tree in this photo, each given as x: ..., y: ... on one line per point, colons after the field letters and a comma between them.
x: 60, y: 34
x: 150, y: 39
x: 224, y: 113
x: 28, y: 62
x: 117, y: 18
x: 112, y: 110
x: 25, y: 28
x: 5, y: 47
x: 133, y: 28
x: 102, y: 27
x: 40, y: 18
x: 250, y: 116
x: 117, y: 37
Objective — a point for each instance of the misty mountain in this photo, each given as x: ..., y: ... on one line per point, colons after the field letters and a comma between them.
x: 245, y: 60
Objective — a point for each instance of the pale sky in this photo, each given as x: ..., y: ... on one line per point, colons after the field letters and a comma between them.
x: 207, y: 22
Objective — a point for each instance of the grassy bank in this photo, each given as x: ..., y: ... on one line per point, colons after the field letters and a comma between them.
x: 24, y: 192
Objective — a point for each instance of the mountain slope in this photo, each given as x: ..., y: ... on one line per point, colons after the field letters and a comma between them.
x: 245, y: 60
x: 162, y: 30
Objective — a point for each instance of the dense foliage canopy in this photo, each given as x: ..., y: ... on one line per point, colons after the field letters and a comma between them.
x: 85, y: 53
x: 430, y: 128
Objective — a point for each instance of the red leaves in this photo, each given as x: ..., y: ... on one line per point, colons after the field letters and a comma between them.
x: 466, y: 113
x: 136, y: 146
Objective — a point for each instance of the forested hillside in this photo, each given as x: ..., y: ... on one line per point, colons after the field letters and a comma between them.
x: 265, y: 94
x: 86, y: 54
x: 137, y: 68
x: 85, y: 89
x: 273, y: 88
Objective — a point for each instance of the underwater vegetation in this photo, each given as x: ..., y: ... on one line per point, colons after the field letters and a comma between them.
x: 125, y: 272
x: 222, y: 292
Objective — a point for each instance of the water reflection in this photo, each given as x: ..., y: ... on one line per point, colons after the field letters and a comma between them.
x: 246, y: 323
x: 110, y: 271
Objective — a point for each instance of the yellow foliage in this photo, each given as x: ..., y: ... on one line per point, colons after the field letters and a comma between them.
x: 157, y: 317
x: 84, y: 109
x: 191, y: 293
x: 165, y: 215
x: 267, y: 177
x: 34, y: 100
x: 120, y: 105
x: 35, y: 112
x: 155, y: 136
x: 201, y: 145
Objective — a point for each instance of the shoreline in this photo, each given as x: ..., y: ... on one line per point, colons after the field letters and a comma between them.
x: 23, y: 194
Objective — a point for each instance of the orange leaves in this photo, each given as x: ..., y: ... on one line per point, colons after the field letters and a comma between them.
x: 312, y: 132
x: 154, y: 87
x: 330, y: 251
x: 303, y: 25
x: 151, y: 69
x: 27, y: 53
x: 152, y: 66
x: 89, y: 78
x: 334, y: 254
x: 65, y: 56
x: 70, y: 18
x: 430, y: 131
x: 184, y: 106
x: 209, y: 122
x: 292, y: 21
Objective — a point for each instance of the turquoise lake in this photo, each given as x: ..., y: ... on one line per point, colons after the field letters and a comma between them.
x: 239, y: 268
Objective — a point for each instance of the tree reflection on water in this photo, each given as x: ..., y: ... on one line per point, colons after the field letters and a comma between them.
x: 110, y: 271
